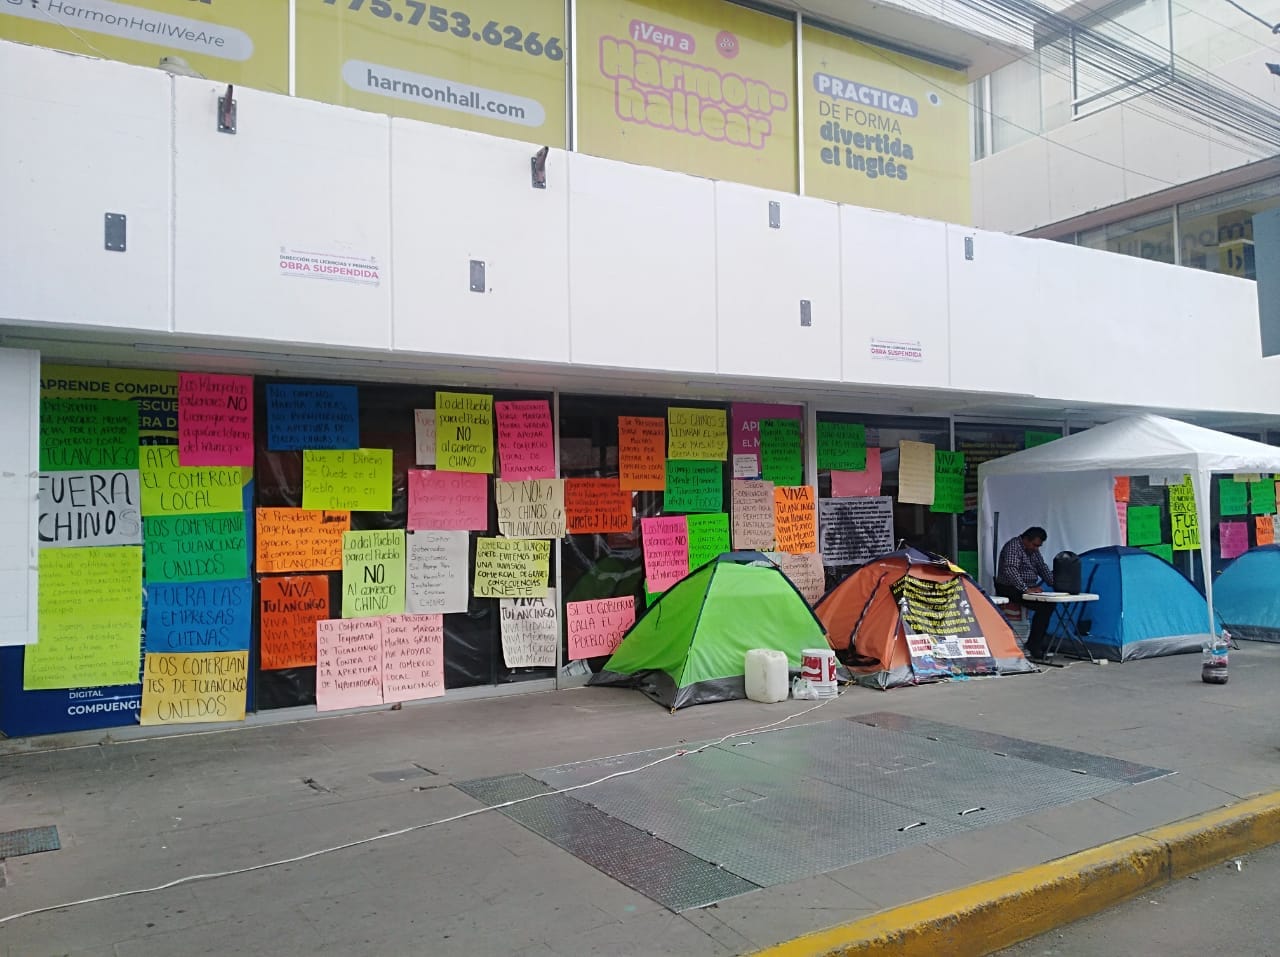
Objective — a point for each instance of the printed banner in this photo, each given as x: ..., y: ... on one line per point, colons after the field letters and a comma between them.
x: 942, y: 632
x: 348, y: 663
x: 745, y: 444
x: 530, y: 631
x: 666, y: 550
x: 511, y: 567
x: 526, y: 443
x: 752, y: 515
x: 412, y: 657
x: 192, y: 548
x: 642, y: 450
x: 595, y: 628
x: 694, y: 486
x: 299, y: 540
x: 170, y: 489
x: 464, y: 432
x: 88, y: 434
x: 795, y: 522
x: 448, y: 500
x: 290, y: 608
x: 312, y: 417
x: 437, y: 572
x: 853, y: 531
x: 493, y: 66
x: 355, y: 480
x: 373, y: 573
x: 90, y: 508
x: 697, y: 86
x: 215, y: 419
x: 597, y: 506
x: 531, y: 509
x: 194, y: 688
x: 153, y: 394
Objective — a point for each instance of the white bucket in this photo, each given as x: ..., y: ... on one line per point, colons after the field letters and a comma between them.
x: 818, y: 665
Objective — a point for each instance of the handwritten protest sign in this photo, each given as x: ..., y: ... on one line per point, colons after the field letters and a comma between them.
x: 530, y: 509
x: 194, y: 688
x: 1144, y: 525
x: 1262, y: 497
x: 697, y: 434
x: 948, y: 482
x: 299, y: 540
x: 464, y: 432
x: 79, y: 509
x: 530, y: 633
x: 745, y: 445
x: 437, y: 573
x: 1122, y: 516
x: 348, y: 663
x: 215, y: 419
x: 864, y: 484
x: 88, y: 435
x: 448, y: 500
x: 1233, y: 538
x: 1120, y: 488
x: 708, y: 537
x: 595, y: 628
x: 412, y: 657
x: 1033, y: 437
x: 290, y: 606
x: 795, y: 520
x: 806, y: 573
x: 312, y: 417
x: 1182, y: 496
x: 1163, y: 551
x: 642, y: 453
x: 89, y: 613
x: 855, y: 530
x: 1233, y: 497
x: 752, y: 507
x: 597, y: 506
x: 190, y: 548
x: 511, y: 567
x: 170, y: 489
x: 694, y: 486
x: 373, y: 573
x: 357, y: 480
x: 666, y: 550
x: 916, y: 472
x: 842, y: 445
x: 199, y: 616
x: 526, y: 444
x: 424, y: 436
x: 1264, y: 529
x: 780, y: 451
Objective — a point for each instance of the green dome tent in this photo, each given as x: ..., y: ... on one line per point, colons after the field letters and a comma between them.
x: 690, y: 646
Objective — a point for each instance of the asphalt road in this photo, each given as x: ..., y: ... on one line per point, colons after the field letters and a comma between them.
x: 1220, y: 911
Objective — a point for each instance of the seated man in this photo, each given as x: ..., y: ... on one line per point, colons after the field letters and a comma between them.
x: 1021, y: 569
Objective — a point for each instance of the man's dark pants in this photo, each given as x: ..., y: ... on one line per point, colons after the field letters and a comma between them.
x: 1037, y: 642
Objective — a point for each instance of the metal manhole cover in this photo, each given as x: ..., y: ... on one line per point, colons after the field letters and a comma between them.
x: 28, y: 840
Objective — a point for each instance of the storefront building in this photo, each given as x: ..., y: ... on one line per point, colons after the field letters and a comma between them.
x: 340, y: 400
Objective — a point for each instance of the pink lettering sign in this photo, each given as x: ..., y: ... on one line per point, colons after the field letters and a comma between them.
x: 448, y: 501
x: 412, y: 657
x: 348, y: 663
x: 666, y: 550
x: 862, y: 484
x: 596, y: 627
x: 526, y: 449
x: 215, y: 419
x: 746, y: 416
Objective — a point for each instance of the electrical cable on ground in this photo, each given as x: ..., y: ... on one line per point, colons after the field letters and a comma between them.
x: 194, y: 878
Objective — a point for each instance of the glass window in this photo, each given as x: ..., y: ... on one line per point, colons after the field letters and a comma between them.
x: 1121, y: 53
x: 1015, y: 103
x: 1217, y: 232
x: 1147, y: 237
x: 1214, y: 36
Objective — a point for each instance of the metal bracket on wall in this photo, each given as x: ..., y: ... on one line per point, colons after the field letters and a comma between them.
x: 775, y: 215
x: 968, y: 248
x: 114, y: 228
x: 477, y: 275
x: 806, y: 313
x: 227, y: 111
x: 538, y: 169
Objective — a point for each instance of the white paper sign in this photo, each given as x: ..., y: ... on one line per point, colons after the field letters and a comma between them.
x: 437, y: 575
x: 90, y: 508
x: 424, y: 436
x: 746, y: 467
x: 530, y: 632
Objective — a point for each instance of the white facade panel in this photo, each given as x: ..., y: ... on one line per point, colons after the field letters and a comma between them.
x: 19, y: 494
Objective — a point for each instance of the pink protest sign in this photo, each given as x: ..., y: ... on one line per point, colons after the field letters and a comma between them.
x: 348, y: 663
x: 1233, y: 538
x: 666, y: 550
x: 448, y: 501
x: 412, y: 657
x: 1122, y: 514
x: 526, y: 449
x: 864, y: 484
x: 596, y: 627
x: 746, y: 416
x: 215, y: 419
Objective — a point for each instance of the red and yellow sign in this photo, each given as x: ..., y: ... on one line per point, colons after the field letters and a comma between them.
x: 884, y: 130
x: 697, y: 86
x: 231, y: 41
x: 493, y: 66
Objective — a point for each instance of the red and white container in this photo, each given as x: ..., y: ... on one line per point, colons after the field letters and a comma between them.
x: 818, y: 666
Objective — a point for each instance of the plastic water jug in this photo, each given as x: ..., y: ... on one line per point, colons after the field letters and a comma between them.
x: 766, y: 675
x: 1213, y: 657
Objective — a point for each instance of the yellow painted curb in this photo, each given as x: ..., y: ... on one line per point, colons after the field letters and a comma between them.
x: 983, y: 918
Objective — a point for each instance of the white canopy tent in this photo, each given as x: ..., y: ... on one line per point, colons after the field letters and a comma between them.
x: 1066, y: 486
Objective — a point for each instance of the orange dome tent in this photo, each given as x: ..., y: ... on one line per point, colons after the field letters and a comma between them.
x: 910, y: 617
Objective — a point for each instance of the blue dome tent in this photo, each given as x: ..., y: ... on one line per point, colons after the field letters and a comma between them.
x: 1247, y: 594
x: 1145, y: 607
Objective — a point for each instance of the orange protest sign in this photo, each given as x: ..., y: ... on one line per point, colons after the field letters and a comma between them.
x: 642, y: 453
x: 290, y: 608
x: 795, y: 519
x: 1122, y: 488
x: 1265, y: 529
x: 300, y: 539
x: 597, y: 506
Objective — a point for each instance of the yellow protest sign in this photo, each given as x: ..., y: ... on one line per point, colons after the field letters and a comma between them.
x: 232, y: 41
x: 493, y: 66
x: 194, y: 688
x: 511, y: 567
x: 697, y: 434
x: 357, y: 480
x: 171, y: 489
x: 697, y: 86
x: 464, y: 432
x: 883, y: 129
x: 90, y: 618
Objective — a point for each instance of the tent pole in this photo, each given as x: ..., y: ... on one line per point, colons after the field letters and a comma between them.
x: 1203, y: 517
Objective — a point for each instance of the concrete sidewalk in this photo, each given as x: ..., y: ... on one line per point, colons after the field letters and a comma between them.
x: 144, y: 812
